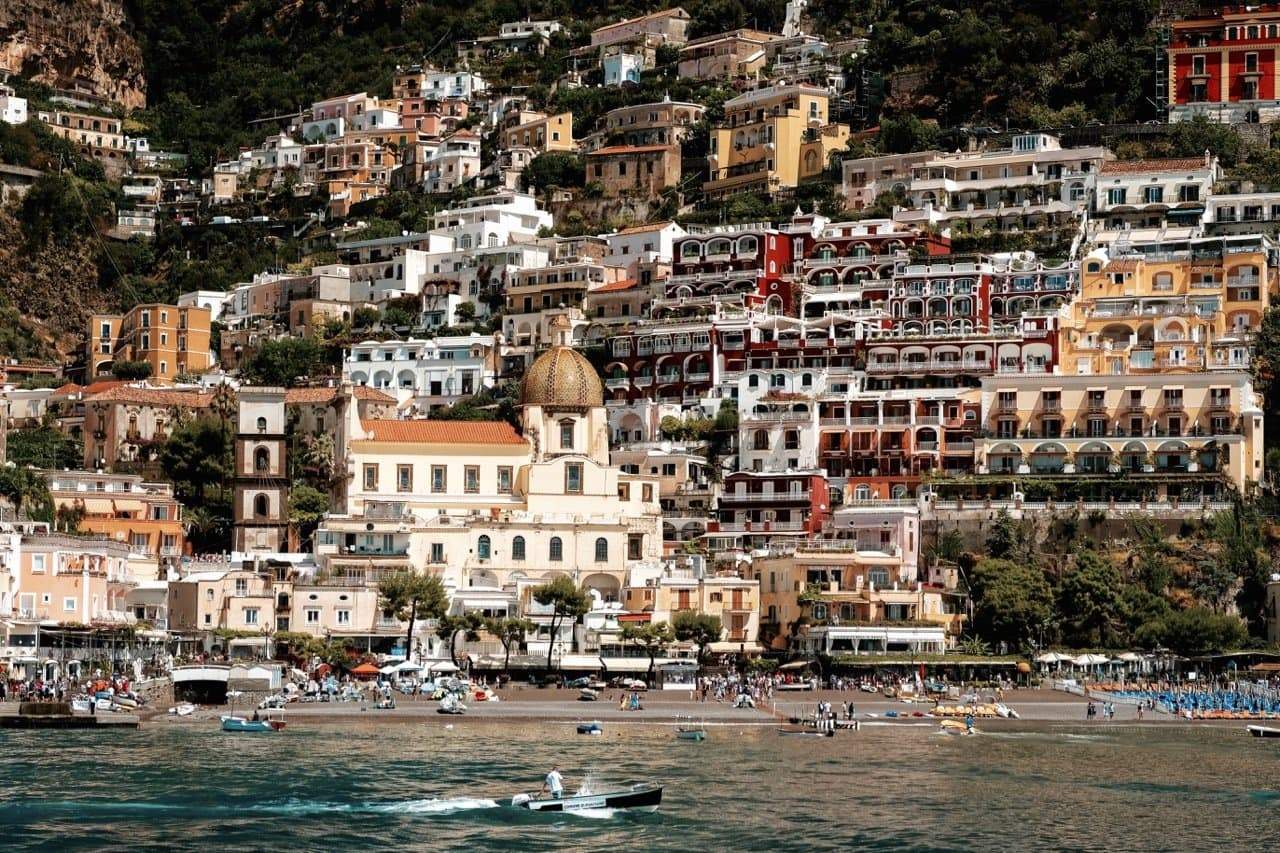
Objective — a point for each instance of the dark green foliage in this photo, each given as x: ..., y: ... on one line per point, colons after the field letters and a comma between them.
x: 197, y: 458
x: 1090, y: 603
x: 1195, y: 631
x: 283, y: 361
x: 44, y: 447
x: 64, y: 209
x: 18, y: 340
x: 554, y: 170
x: 1012, y: 603
x: 131, y: 370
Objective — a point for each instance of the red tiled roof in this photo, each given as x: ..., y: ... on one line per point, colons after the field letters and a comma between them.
x: 154, y: 397
x: 102, y: 385
x: 299, y: 396
x: 1170, y: 164
x: 442, y: 432
x: 69, y: 388
x: 614, y: 286
x: 628, y: 149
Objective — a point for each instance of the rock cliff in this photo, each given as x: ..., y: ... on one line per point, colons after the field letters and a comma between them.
x: 77, y: 45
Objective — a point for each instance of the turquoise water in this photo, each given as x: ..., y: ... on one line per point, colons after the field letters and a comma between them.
x: 421, y: 786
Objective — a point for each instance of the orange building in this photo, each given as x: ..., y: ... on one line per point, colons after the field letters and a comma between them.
x: 172, y: 339
x: 145, y: 516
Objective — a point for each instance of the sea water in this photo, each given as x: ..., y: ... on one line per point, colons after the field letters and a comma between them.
x: 188, y: 786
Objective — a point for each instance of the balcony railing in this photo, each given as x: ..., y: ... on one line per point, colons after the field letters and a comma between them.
x: 764, y: 497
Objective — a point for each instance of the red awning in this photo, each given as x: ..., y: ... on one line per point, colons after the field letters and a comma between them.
x: 635, y: 617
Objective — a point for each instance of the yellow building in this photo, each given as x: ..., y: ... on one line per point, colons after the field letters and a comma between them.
x: 1182, y: 437
x: 172, y: 339
x: 836, y: 596
x: 732, y: 599
x: 772, y: 138
x: 541, y: 133
x: 1180, y: 308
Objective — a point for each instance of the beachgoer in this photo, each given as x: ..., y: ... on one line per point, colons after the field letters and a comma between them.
x: 554, y: 784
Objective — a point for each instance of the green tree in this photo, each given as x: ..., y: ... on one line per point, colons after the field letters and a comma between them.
x: 468, y: 625
x: 1010, y: 539
x: 408, y: 596
x: 284, y: 361
x: 1012, y: 603
x: 44, y: 447
x: 1237, y: 532
x: 1089, y: 602
x: 196, y: 457
x: 1194, y: 631
x: 27, y: 491
x: 701, y: 629
x: 566, y: 602
x: 510, y: 631
x: 307, y: 506
x: 906, y: 134
x: 652, y: 637
x: 131, y: 370
x: 554, y: 170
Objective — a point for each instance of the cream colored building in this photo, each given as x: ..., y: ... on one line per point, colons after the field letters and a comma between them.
x: 1183, y: 432
x: 772, y: 138
x: 734, y: 600
x: 493, y: 510
x: 541, y: 133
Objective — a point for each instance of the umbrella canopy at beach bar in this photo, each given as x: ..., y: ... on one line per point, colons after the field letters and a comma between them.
x: 406, y: 667
x: 442, y: 666
x: 365, y: 670
x: 1049, y: 658
x: 1089, y: 661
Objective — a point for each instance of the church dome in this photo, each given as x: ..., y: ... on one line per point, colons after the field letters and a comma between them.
x: 561, y: 377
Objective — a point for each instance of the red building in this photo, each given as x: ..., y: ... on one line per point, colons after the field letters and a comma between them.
x: 758, y: 507
x: 1224, y: 64
x: 749, y: 264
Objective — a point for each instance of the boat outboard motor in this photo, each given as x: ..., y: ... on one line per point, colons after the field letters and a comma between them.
x: 520, y: 799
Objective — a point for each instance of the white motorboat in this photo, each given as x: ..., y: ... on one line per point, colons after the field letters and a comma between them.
x: 644, y: 796
x: 1263, y: 731
x: 186, y: 709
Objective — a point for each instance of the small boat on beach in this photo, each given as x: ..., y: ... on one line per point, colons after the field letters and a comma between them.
x: 689, y: 730
x: 1264, y: 731
x: 590, y: 728
x: 233, y: 723
x: 450, y: 704
x: 955, y: 727
x: 587, y: 694
x: 186, y: 709
x: 643, y: 796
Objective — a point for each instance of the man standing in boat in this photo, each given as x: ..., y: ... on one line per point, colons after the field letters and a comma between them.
x: 554, y: 785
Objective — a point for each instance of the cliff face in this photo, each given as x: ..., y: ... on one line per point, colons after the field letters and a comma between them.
x: 80, y: 45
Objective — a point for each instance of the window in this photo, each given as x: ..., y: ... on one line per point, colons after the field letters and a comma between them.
x: 483, y: 547
x: 251, y: 616
x: 504, y: 479
x: 573, y: 478
x: 517, y: 548
x: 1152, y: 195
x: 242, y: 586
x: 439, y: 480
x: 370, y: 478
x: 556, y: 550
x: 311, y: 616
x: 37, y: 562
x: 566, y: 435
x: 471, y: 479
x: 261, y: 459
x: 261, y: 507
x: 635, y: 546
x: 602, y: 550
x: 343, y: 617
x: 646, y: 493
x: 1116, y: 195
x: 404, y: 478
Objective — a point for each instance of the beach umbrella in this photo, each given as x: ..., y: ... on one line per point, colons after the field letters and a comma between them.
x: 442, y: 666
x: 407, y: 666
x: 387, y: 670
x: 1052, y: 657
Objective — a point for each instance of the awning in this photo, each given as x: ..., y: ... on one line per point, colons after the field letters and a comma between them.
x: 794, y: 665
x: 591, y: 662
x: 728, y: 648
x: 442, y: 666
x: 626, y: 664
x: 248, y: 641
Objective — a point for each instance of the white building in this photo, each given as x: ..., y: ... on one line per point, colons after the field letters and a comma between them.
x: 455, y: 161
x: 1155, y: 193
x: 13, y: 110
x: 622, y: 67
x: 646, y: 243
x: 214, y: 300
x: 427, y: 373
x: 452, y: 84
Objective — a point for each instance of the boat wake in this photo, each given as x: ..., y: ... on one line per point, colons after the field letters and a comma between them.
x: 288, y: 807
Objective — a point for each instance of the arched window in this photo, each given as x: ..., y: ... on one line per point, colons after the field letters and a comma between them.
x: 566, y: 435
x: 557, y: 550
x: 482, y: 548
x: 261, y: 459
x: 260, y: 506
x: 862, y: 492
x: 517, y: 548
x: 262, y: 424
x: 760, y: 439
x: 602, y: 550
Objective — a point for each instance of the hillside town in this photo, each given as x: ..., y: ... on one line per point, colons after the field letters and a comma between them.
x: 691, y: 381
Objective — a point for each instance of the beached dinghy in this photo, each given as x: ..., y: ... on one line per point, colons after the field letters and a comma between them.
x: 1264, y: 731
x: 645, y: 796
x: 590, y: 728
x: 232, y: 723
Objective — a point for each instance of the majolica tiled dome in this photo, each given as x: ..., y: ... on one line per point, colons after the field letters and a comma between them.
x: 561, y: 376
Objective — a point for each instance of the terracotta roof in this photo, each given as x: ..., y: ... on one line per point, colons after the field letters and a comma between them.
x: 442, y: 432
x: 299, y: 396
x: 1172, y: 164
x: 675, y: 11
x: 69, y: 388
x: 1122, y: 265
x: 652, y: 226
x: 635, y: 617
x: 102, y: 385
x: 154, y: 397
x: 628, y: 149
x: 615, y: 286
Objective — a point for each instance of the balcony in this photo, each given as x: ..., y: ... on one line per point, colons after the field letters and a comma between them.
x: 765, y: 497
